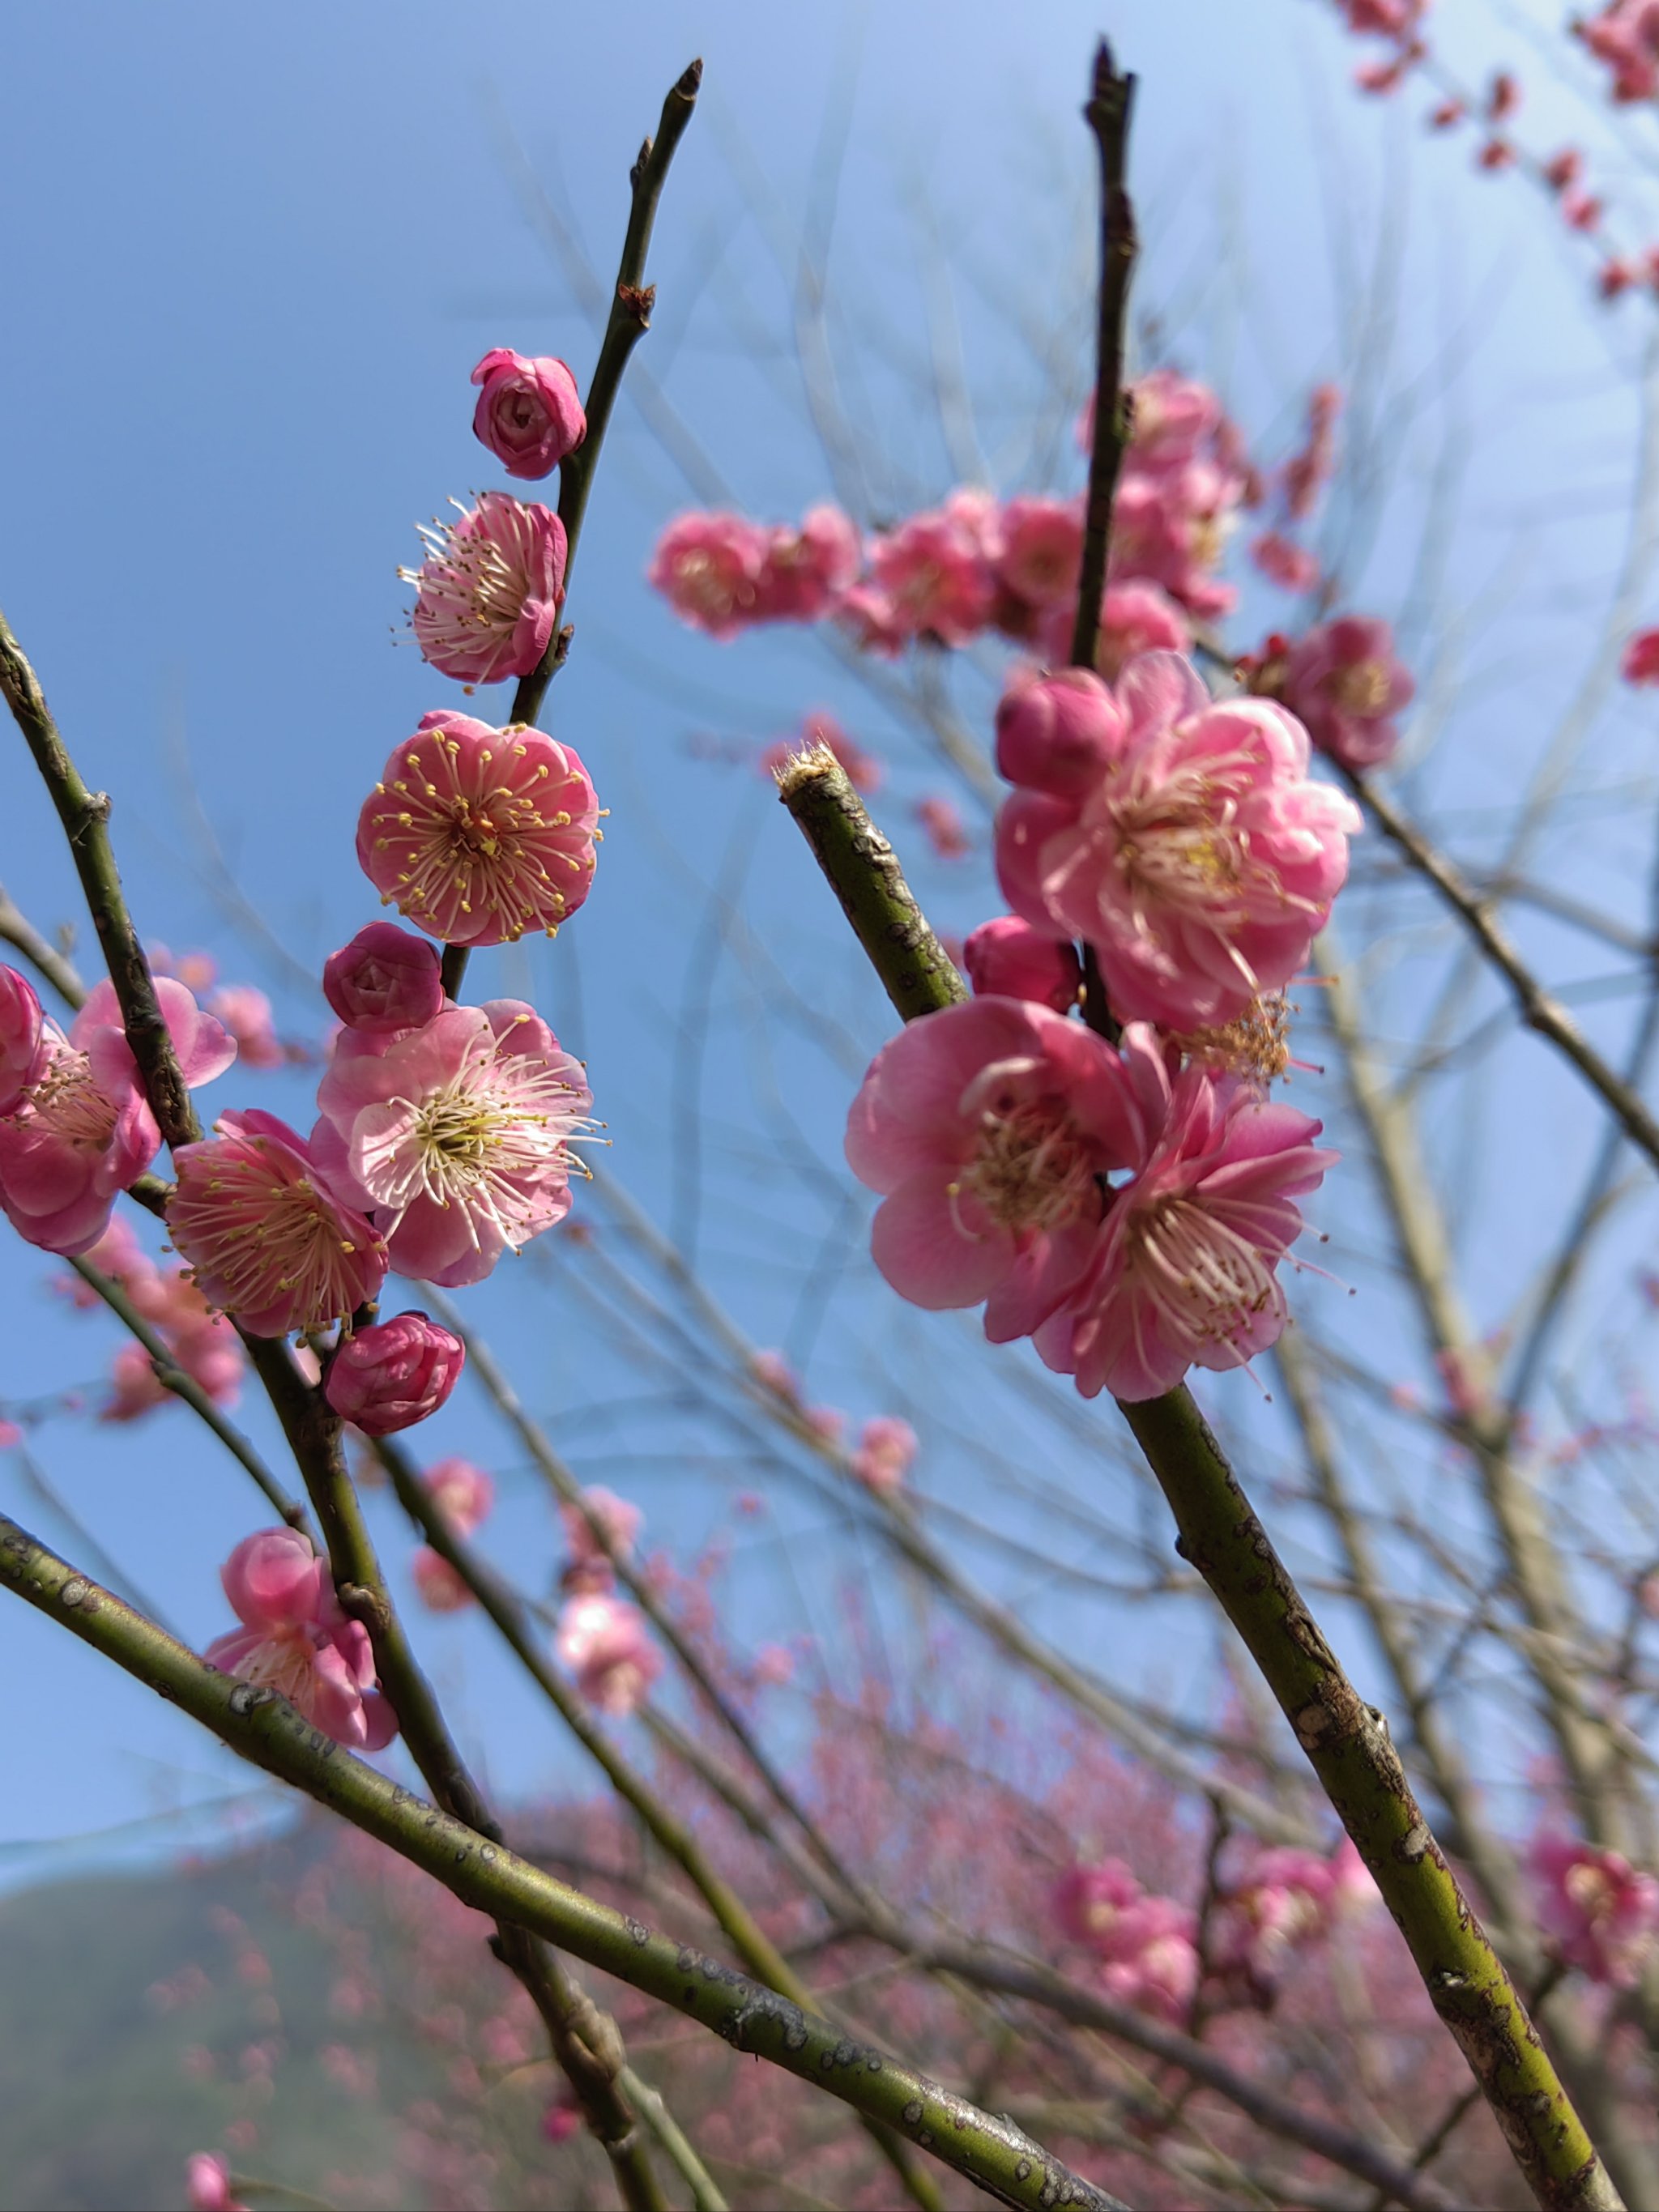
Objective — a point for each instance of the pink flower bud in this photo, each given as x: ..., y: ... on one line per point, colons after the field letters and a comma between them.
x: 386, y: 979
x: 23, y: 1050
x: 399, y: 1372
x: 529, y: 412
x: 1006, y: 958
x: 1056, y: 732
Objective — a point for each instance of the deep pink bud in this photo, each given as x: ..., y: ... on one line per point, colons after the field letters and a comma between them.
x: 23, y: 1049
x: 386, y: 979
x: 529, y: 412
x: 1056, y: 732
x: 1009, y: 959
x: 399, y: 1372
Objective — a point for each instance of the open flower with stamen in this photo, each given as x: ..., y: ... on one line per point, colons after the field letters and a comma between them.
x: 1345, y: 681
x: 295, y: 1640
x: 477, y: 835
x: 988, y: 1128
x: 1183, y: 1272
x: 487, y: 592
x: 456, y: 1137
x: 1200, y: 863
x: 264, y: 1232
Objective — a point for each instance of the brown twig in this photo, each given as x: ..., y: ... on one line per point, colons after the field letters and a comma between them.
x: 1107, y: 114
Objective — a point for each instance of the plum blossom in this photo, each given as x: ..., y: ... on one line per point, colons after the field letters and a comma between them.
x: 1602, y: 1914
x: 529, y: 411
x: 1344, y: 683
x: 202, y: 1343
x: 455, y: 1138
x: 464, y: 1493
x: 1135, y: 616
x: 605, y: 1644
x: 269, y: 1238
x: 387, y: 1377
x: 947, y: 833
x: 1309, y: 468
x: 1145, y: 1945
x: 1200, y: 864
x: 710, y: 568
x: 439, y: 1587
x: 936, y: 571
x: 1626, y: 36
x: 1183, y: 1268
x: 295, y: 1640
x: 386, y: 979
x: 590, y: 1560
x: 804, y: 572
x: 1640, y: 663
x: 1287, y: 564
x: 1057, y: 733
x: 986, y: 1128
x: 887, y: 1446
x: 1041, y: 550
x: 245, y: 1013
x: 476, y: 835
x: 207, y: 2184
x: 1006, y: 958
x: 489, y: 591
x: 83, y: 1129
x: 24, y: 1045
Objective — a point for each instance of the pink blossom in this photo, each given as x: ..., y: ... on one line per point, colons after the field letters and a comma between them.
x: 1144, y: 1945
x: 10, y: 1436
x: 1201, y: 864
x: 1601, y: 1913
x: 386, y: 979
x: 1616, y: 277
x: 269, y: 1240
x: 388, y: 1377
x: 617, y: 1517
x: 1135, y: 617
x: 947, y: 833
x: 559, y: 2121
x: 1291, y: 566
x: 1449, y: 111
x: 464, y: 1493
x: 1496, y: 153
x: 247, y: 1014
x: 207, y: 2181
x: 1174, y: 416
x: 711, y: 568
x: 605, y: 1644
x: 1169, y: 527
x: 1056, y: 733
x: 864, y: 770
x: 1626, y: 36
x: 936, y: 571
x: 24, y: 1047
x: 878, y: 621
x: 804, y: 572
x: 295, y: 1640
x: 1183, y: 1268
x: 439, y: 1587
x: 455, y: 1137
x: 1344, y: 681
x: 1640, y: 663
x: 489, y: 591
x: 529, y: 412
x: 477, y: 835
x: 1581, y: 210
x: 887, y: 1446
x: 1041, y: 550
x: 986, y: 1128
x: 1006, y: 958
x: 1564, y: 169
x: 84, y: 1130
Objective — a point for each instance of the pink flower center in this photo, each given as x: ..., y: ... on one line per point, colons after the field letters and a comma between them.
x: 489, y: 1141
x: 283, y: 1662
x: 467, y: 584
x: 1589, y: 1889
x: 707, y: 584
x: 77, y: 1108
x: 1361, y: 689
x: 1206, y: 1282
x: 474, y: 842
x: 1033, y: 1169
x: 263, y: 1238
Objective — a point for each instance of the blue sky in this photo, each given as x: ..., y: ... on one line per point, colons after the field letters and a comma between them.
x: 251, y: 257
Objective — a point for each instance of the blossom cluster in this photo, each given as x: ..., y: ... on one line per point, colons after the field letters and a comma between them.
x: 602, y: 1638
x: 202, y: 1344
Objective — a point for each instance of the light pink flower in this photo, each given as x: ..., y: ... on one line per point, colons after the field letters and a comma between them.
x: 489, y: 591
x: 456, y: 1137
x: 1169, y: 528
x: 84, y: 1130
x: 464, y: 1493
x: 247, y: 1014
x: 804, y: 572
x: 439, y: 1587
x: 1183, y: 1269
x: 1057, y: 733
x: 207, y: 2181
x: 388, y: 1377
x: 1006, y: 958
x: 1345, y: 683
x: 1144, y: 1945
x: 1308, y: 469
x: 605, y: 1645
x: 295, y: 1640
x: 1600, y: 1911
x: 267, y: 1235
x: 1201, y: 864
x: 1174, y: 417
x: 477, y: 835
x: 887, y: 1447
x: 1640, y: 663
x: 878, y: 621
x: 205, y: 1346
x: 24, y: 1047
x: 986, y: 1128
x: 386, y: 979
x: 937, y: 572
x: 947, y: 833
x: 620, y: 1520
x: 1291, y: 566
x: 529, y: 412
x: 1041, y: 550
x: 711, y: 568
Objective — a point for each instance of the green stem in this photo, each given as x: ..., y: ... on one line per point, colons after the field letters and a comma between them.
x: 261, y: 1728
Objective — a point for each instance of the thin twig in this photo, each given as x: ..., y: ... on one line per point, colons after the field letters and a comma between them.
x: 1107, y: 114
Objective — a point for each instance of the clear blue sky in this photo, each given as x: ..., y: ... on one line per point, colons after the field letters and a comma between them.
x: 251, y: 258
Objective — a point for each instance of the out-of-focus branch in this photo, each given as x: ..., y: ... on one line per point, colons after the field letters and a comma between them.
x: 261, y: 1728
x: 45, y: 957
x: 1107, y: 114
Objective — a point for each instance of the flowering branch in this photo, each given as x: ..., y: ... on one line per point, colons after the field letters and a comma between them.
x: 1108, y: 114
x: 263, y: 1728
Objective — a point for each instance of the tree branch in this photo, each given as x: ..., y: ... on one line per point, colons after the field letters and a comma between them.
x: 1107, y: 114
